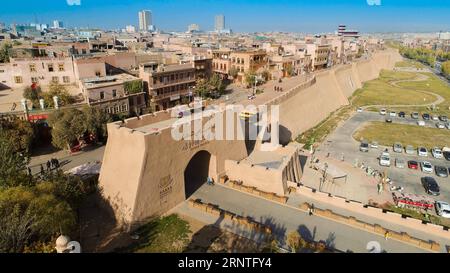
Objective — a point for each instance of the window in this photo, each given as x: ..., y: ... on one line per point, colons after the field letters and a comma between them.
x: 108, y: 110
x: 66, y: 79
x: 114, y: 93
x: 32, y: 68
x: 98, y: 73
x: 50, y: 68
x: 138, y: 100
x: 102, y: 95
x: 117, y: 109
x: 61, y: 67
x: 55, y: 79
x: 34, y: 79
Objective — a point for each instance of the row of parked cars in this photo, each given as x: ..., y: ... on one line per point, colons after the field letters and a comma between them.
x: 442, y: 121
x: 436, y: 152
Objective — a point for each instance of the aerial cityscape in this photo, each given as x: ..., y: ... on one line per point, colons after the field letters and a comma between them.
x: 225, y: 127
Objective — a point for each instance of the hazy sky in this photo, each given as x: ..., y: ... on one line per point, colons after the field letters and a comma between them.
x: 241, y: 15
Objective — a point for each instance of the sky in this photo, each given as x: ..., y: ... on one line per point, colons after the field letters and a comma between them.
x: 306, y: 16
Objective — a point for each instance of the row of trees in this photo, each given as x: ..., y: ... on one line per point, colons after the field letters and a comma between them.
x: 33, y: 210
x: 425, y: 55
x: 35, y: 93
x: 207, y: 88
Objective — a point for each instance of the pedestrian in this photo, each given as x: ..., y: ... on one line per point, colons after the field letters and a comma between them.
x: 29, y: 171
x: 386, y: 235
x: 57, y: 163
x: 48, y: 165
x: 42, y: 169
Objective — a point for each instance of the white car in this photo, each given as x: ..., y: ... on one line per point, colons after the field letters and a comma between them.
x: 443, y: 209
x: 447, y: 125
x: 359, y: 110
x: 422, y: 151
x: 437, y: 153
x: 392, y: 114
x: 426, y: 167
x: 434, y: 117
x: 440, y: 125
x: 385, y: 159
x: 383, y: 112
x: 421, y: 123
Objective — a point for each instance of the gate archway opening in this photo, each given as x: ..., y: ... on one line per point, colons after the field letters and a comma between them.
x: 197, y: 172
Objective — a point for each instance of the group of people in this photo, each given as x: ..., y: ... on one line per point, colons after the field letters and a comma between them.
x: 50, y: 164
x: 278, y: 88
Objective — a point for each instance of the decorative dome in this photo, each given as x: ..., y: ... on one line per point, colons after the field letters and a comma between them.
x: 62, y: 241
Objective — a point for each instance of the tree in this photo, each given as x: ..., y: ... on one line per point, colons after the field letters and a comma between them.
x: 133, y: 87
x: 250, y: 78
x: 5, y: 52
x: 446, y: 68
x: 265, y: 75
x: 56, y: 89
x: 19, y: 132
x: 293, y: 241
x: 68, y: 126
x: 96, y: 121
x: 233, y: 73
x: 202, y: 88
x: 12, y: 164
x: 33, y: 94
x: 216, y: 84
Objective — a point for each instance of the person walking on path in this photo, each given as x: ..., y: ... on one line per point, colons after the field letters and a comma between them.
x: 42, y: 170
x: 48, y: 165
x: 386, y: 235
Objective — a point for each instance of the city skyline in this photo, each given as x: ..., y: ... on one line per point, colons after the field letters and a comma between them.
x: 242, y: 15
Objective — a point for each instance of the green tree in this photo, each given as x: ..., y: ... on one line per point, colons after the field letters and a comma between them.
x: 56, y: 89
x: 68, y: 126
x: 446, y: 68
x: 12, y: 164
x: 202, y: 88
x: 96, y: 121
x: 265, y: 75
x: 250, y: 78
x: 19, y: 132
x: 33, y: 95
x: 5, y: 52
x: 233, y: 73
x: 216, y: 84
x: 133, y: 87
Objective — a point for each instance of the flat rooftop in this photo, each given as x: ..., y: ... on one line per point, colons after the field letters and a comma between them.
x: 270, y: 159
x: 107, y: 81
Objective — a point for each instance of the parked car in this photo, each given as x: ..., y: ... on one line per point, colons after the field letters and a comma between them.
x: 398, y: 147
x: 415, y: 115
x: 447, y: 125
x: 436, y: 152
x: 441, y: 171
x: 400, y: 163
x: 426, y: 167
x: 442, y: 209
x: 385, y: 159
x: 410, y: 150
x: 443, y: 118
x: 383, y: 111
x: 425, y: 116
x: 421, y: 123
x: 413, y: 165
x: 392, y: 114
x: 440, y: 125
x: 430, y: 185
x: 359, y: 110
x: 401, y: 114
x: 422, y: 151
x: 389, y: 120
x: 446, y: 153
x: 374, y: 145
x: 435, y: 118
x: 364, y: 147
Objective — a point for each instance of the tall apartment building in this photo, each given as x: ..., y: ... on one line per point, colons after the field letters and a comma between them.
x: 168, y: 85
x: 219, y: 23
x: 145, y: 20
x: 58, y: 24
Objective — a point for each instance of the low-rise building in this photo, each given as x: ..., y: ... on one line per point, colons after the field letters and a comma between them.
x: 168, y: 85
x: 118, y: 94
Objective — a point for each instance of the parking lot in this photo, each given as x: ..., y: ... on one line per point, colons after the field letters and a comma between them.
x: 341, y: 144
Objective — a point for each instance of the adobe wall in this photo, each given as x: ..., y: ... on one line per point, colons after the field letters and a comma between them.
x: 333, y: 87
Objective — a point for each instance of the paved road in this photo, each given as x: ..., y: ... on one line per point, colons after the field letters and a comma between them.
x: 340, y: 142
x: 284, y: 219
x: 67, y: 161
